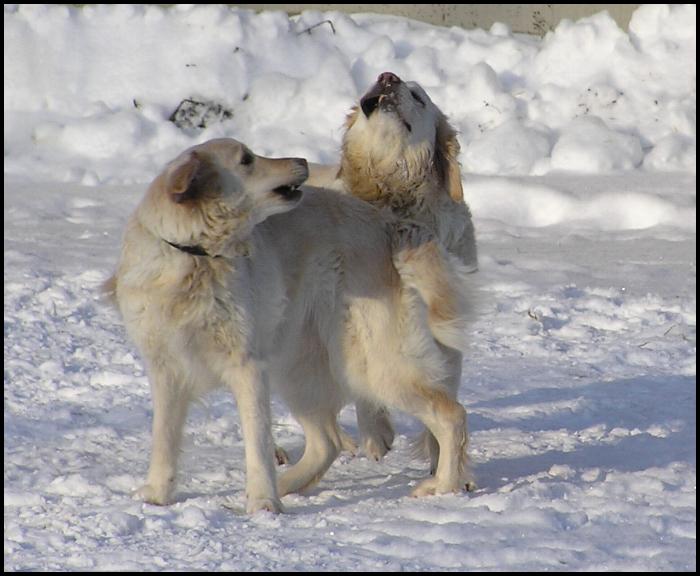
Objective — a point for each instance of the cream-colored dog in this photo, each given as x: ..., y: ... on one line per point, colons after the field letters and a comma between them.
x: 229, y: 276
x: 399, y: 153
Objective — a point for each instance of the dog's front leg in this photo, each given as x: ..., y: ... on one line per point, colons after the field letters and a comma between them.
x: 250, y: 386
x: 170, y: 403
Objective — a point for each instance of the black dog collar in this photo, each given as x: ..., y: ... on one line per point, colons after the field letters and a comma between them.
x: 194, y: 250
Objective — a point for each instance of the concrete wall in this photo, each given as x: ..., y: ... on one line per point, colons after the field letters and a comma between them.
x: 528, y: 18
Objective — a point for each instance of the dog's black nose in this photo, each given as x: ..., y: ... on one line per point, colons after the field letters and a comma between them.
x: 388, y: 78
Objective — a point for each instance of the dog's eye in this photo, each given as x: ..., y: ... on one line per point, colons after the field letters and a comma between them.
x: 247, y: 158
x: 417, y: 98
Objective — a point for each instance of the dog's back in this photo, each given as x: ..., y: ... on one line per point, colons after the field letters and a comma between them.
x: 332, y: 236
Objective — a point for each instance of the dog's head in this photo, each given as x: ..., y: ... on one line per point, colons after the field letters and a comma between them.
x: 217, y: 191
x: 397, y: 140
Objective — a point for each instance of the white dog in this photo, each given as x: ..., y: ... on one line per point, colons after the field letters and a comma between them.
x: 228, y: 277
x: 399, y: 153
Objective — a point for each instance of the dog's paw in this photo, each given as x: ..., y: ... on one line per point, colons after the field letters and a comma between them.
x: 375, y: 448
x: 281, y: 456
x: 152, y: 494
x: 432, y: 486
x: 264, y: 505
x: 347, y: 444
x: 425, y: 488
x: 378, y: 443
x: 377, y: 433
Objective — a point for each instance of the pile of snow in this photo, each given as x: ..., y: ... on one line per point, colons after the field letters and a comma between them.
x: 626, y: 201
x: 89, y: 92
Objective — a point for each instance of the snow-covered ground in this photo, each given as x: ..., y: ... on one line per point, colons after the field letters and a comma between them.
x: 579, y: 153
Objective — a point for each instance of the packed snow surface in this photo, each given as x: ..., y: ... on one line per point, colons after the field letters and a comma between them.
x: 579, y: 155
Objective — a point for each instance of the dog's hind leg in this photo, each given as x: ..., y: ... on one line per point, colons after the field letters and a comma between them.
x: 170, y: 403
x: 314, y: 397
x: 347, y: 444
x: 376, y: 431
x: 323, y: 444
x: 447, y: 420
x: 426, y: 444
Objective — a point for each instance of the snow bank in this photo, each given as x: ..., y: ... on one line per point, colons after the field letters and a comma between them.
x: 588, y: 145
x: 623, y: 202
x: 88, y: 92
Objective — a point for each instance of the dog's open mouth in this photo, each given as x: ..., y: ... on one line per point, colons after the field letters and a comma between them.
x: 383, y: 96
x: 288, y: 191
x: 369, y: 104
x: 383, y: 102
x: 382, y: 99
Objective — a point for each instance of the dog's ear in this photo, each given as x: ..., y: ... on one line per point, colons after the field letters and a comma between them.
x: 446, y: 152
x: 182, y: 176
x: 189, y: 178
x: 351, y: 117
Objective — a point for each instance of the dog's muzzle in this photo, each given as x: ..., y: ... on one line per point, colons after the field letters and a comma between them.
x: 291, y: 191
x: 382, y: 94
x: 288, y: 192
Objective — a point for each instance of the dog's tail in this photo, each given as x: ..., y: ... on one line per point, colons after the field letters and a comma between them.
x: 442, y: 281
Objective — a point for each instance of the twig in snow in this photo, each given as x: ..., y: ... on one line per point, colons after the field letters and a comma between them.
x: 310, y: 28
x: 671, y: 328
x: 533, y: 314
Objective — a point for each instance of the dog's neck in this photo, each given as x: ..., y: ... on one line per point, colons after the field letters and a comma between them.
x: 395, y: 179
x: 404, y: 195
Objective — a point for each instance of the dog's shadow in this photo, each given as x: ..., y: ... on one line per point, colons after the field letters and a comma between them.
x: 627, y: 425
